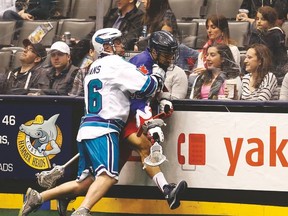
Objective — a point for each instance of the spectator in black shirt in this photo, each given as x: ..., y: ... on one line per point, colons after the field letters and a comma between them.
x: 128, y: 19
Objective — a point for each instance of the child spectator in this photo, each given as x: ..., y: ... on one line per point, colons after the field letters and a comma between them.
x: 273, y: 37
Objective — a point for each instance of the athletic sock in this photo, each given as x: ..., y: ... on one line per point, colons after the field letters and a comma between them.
x: 160, y: 180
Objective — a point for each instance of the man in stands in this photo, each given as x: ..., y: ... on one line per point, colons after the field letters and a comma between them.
x: 128, y: 19
x: 58, y: 79
x: 21, y: 79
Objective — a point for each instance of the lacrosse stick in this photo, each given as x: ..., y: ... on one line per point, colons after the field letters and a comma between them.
x: 156, y: 157
x: 48, y: 179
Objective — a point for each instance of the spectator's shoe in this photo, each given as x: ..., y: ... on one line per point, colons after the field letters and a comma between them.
x: 172, y: 193
x: 62, y: 205
x: 81, y: 212
x: 33, y: 201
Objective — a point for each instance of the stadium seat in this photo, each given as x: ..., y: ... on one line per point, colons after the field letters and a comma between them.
x: 7, y: 29
x: 239, y: 32
x: 15, y: 61
x: 188, y: 32
x: 86, y: 9
x: 65, y: 8
x: 201, y: 33
x: 228, y: 8
x: 78, y: 29
x: 29, y: 26
x: 186, y: 9
x: 5, y: 60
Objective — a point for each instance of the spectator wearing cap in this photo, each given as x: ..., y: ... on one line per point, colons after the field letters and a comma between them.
x: 25, y: 77
x: 58, y: 79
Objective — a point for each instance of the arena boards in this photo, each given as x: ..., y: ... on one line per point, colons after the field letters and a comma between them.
x: 232, y: 154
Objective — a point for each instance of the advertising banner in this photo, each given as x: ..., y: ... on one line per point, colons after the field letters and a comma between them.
x: 222, y: 150
x: 33, y: 137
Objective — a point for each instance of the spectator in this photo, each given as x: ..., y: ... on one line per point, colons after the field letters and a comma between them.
x: 259, y: 84
x: 273, y: 37
x: 21, y: 79
x: 158, y: 16
x: 83, y: 55
x: 220, y: 67
x: 252, y: 6
x: 128, y: 19
x: 284, y: 88
x: 217, y: 32
x: 58, y: 79
x: 176, y: 83
x: 31, y: 10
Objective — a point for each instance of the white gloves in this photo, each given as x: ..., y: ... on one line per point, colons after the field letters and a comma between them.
x: 153, y: 129
x: 165, y: 106
x: 160, y: 75
x: 156, y: 134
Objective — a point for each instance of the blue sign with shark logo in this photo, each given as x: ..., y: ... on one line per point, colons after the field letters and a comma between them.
x: 35, y: 136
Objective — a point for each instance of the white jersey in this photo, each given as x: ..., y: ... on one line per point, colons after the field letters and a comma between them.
x: 107, y: 89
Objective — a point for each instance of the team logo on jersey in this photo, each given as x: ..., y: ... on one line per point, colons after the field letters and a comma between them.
x: 143, y: 69
x: 38, y: 141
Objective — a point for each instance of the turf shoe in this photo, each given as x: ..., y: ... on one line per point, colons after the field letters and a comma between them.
x: 173, y: 192
x: 33, y: 202
x: 81, y: 212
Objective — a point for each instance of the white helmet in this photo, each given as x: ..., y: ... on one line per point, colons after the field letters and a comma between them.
x: 104, y: 36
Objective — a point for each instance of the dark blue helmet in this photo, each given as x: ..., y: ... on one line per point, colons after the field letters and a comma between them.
x: 163, y: 41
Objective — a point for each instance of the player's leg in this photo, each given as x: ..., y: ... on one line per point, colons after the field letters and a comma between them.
x: 34, y: 199
x: 172, y: 192
x: 97, y: 190
x: 103, y: 153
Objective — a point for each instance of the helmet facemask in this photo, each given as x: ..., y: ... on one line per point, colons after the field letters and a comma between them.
x: 166, y: 60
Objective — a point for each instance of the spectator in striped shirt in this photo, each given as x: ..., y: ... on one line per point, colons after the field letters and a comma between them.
x: 259, y: 84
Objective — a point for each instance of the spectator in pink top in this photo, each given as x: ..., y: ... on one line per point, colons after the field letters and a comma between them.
x: 220, y: 67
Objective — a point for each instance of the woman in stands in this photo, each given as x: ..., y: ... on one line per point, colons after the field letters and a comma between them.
x: 220, y: 69
x: 284, y: 88
x: 268, y: 33
x: 217, y: 32
x: 159, y: 16
x: 259, y: 84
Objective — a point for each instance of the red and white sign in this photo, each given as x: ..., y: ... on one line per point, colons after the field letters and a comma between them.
x: 222, y: 150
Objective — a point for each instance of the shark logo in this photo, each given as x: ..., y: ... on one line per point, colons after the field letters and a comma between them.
x: 39, y: 141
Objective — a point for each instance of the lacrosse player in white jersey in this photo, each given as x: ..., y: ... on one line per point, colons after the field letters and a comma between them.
x: 107, y: 89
